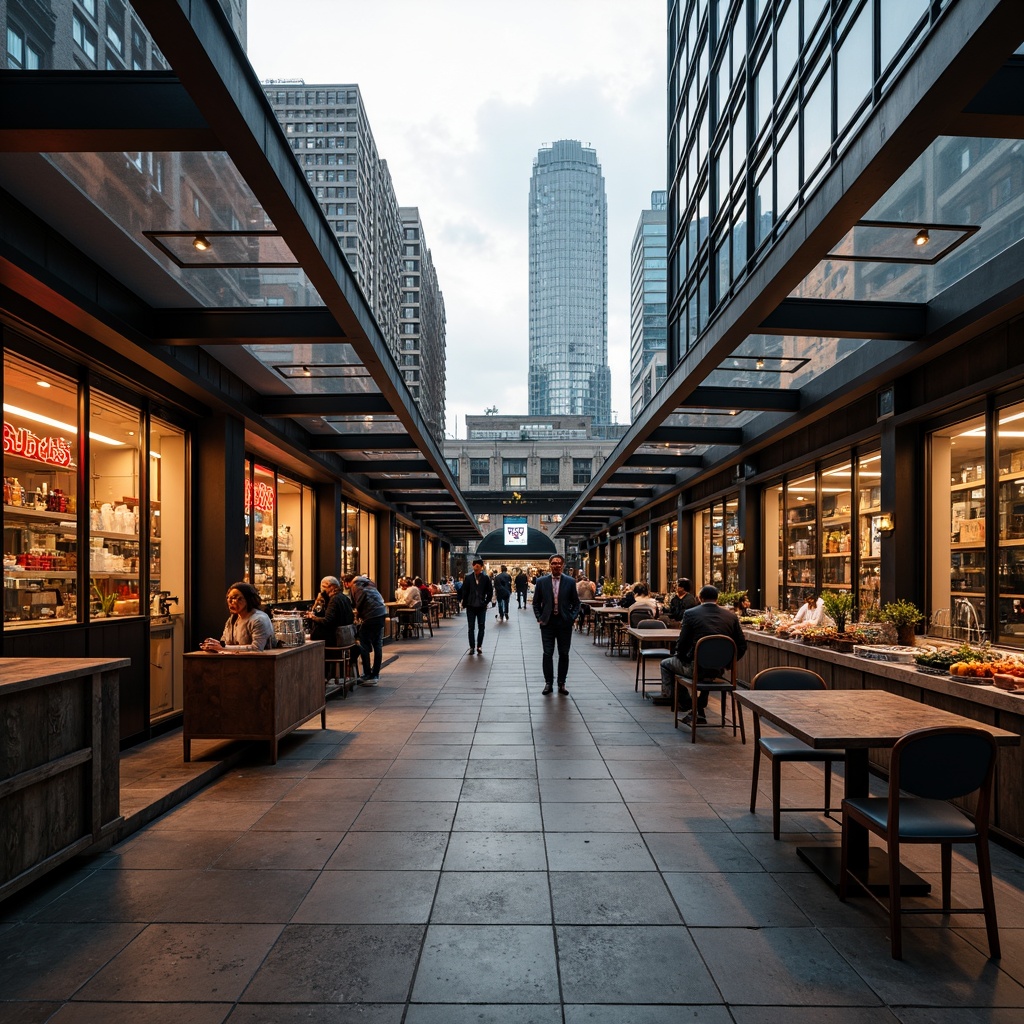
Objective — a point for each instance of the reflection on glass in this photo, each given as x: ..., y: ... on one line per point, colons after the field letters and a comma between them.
x: 1010, y: 459
x: 800, y: 532
x: 895, y: 24
x: 261, y: 512
x: 869, y: 538
x: 41, y: 453
x: 836, y: 537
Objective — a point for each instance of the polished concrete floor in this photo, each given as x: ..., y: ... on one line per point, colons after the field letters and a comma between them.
x: 458, y: 848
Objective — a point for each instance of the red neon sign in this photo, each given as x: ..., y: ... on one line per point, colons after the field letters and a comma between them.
x: 55, y: 451
x: 259, y: 496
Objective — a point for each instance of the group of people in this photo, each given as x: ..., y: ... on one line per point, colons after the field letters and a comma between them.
x: 350, y: 600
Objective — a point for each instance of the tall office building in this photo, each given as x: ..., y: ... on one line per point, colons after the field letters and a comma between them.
x: 648, y: 304
x: 330, y: 134
x: 569, y: 285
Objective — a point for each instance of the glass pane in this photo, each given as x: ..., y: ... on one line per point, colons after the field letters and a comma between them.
x: 731, y: 524
x: 261, y: 512
x: 896, y: 21
x: 817, y: 122
x: 290, y: 539
x: 41, y: 453
x: 853, y: 68
x: 788, y: 169
x: 869, y: 537
x: 1010, y: 456
x: 787, y: 42
x: 801, y: 516
x: 958, y: 570
x: 836, y: 540
x: 115, y: 434
x: 764, y: 214
x: 774, y: 513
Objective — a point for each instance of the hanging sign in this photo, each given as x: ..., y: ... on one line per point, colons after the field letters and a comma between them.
x: 515, y: 533
x: 54, y: 451
x: 259, y: 496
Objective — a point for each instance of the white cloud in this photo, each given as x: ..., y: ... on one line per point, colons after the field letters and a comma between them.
x: 460, y: 95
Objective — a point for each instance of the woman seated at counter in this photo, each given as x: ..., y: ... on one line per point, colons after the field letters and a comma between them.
x: 248, y: 627
x: 331, y: 610
x: 810, y: 613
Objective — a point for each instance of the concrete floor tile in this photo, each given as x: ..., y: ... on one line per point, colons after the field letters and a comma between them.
x: 700, y: 851
x: 322, y: 1013
x: 611, y: 897
x: 389, y: 851
x: 498, y: 816
x: 369, y: 897
x: 372, y: 963
x: 447, y: 1013
x: 579, y: 791
x: 492, y: 897
x: 136, y: 1013
x: 685, y: 818
x: 597, y: 851
x: 631, y: 964
x: 587, y: 817
x: 307, y: 816
x: 432, y: 768
x: 487, y: 964
x: 210, y: 962
x: 733, y: 900
x: 296, y: 851
x: 590, y: 1013
x: 427, y: 790
x: 572, y: 768
x: 485, y: 768
x: 184, y: 849
x: 496, y: 851
x: 405, y: 816
x: 780, y: 967
x: 495, y: 790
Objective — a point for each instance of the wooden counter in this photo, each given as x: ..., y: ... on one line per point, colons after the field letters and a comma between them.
x: 253, y: 695
x: 985, y: 704
x: 59, y: 762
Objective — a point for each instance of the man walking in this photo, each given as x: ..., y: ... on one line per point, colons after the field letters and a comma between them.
x: 556, y: 605
x: 522, y: 586
x: 475, y: 596
x: 502, y: 592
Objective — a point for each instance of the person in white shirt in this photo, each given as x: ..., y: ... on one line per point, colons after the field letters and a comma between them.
x: 644, y: 599
x: 810, y: 613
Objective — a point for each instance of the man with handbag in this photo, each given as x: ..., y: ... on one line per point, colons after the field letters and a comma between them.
x: 556, y: 605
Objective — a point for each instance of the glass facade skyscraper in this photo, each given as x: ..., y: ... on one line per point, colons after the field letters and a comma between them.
x: 569, y: 284
x: 648, y: 304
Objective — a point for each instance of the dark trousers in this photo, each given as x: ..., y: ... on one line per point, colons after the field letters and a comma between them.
x: 503, y: 604
x: 371, y: 637
x: 559, y: 633
x: 521, y: 598
x: 479, y: 616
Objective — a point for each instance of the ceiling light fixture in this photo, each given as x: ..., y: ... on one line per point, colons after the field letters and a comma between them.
x: 201, y: 243
x: 307, y: 372
x: 760, y: 364
x: 922, y: 237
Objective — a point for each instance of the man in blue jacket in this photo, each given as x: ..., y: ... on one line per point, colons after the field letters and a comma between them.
x: 556, y: 605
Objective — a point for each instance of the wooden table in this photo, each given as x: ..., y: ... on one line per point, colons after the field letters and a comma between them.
x: 855, y: 720
x: 610, y: 614
x: 253, y: 695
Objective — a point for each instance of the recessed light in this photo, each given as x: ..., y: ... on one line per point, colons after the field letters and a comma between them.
x: 201, y: 243
x: 43, y: 383
x: 922, y: 237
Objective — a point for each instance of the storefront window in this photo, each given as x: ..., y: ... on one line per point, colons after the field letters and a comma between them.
x: 869, y: 534
x: 642, y: 557
x: 668, y: 571
x: 801, y: 513
x: 836, y: 537
x: 1010, y: 458
x: 41, y: 453
x: 717, y: 561
x: 958, y: 569
x: 359, y: 540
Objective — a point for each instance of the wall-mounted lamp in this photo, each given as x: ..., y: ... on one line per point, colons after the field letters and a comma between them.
x: 201, y: 243
x: 885, y: 523
x: 922, y: 237
x: 738, y: 546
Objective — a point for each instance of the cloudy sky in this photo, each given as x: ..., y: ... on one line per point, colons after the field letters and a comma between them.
x: 460, y: 95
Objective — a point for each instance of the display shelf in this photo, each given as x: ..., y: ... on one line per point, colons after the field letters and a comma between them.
x: 264, y: 558
x: 958, y: 546
x: 65, y: 524
x: 111, y: 535
x: 970, y: 485
x: 42, y: 574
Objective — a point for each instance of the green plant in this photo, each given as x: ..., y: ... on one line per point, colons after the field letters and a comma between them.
x: 838, y: 605
x: 726, y: 598
x: 902, y: 613
x: 610, y: 587
x: 106, y: 600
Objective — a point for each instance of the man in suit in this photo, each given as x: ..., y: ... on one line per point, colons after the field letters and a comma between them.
x: 477, y: 591
x: 522, y: 586
x: 556, y: 605
x: 707, y: 619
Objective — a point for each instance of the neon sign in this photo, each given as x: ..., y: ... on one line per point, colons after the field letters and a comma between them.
x: 259, y: 496
x: 54, y: 451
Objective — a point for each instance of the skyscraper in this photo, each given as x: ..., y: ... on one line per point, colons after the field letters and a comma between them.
x: 648, y: 304
x: 569, y: 285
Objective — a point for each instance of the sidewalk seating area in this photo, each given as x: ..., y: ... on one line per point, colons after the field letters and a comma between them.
x: 458, y: 848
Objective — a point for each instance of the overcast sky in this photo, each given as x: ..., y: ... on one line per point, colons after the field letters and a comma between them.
x: 460, y: 95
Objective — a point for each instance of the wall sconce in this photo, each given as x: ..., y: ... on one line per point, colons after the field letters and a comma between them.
x: 885, y: 523
x: 739, y: 546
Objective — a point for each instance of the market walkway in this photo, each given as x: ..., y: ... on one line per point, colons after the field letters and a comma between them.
x: 457, y: 847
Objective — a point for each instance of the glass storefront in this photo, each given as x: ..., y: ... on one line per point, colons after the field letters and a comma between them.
x: 668, y: 558
x: 358, y: 541
x: 278, y: 534
x: 716, y: 532
x: 828, y: 534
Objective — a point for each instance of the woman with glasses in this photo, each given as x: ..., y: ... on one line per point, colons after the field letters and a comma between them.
x: 248, y: 627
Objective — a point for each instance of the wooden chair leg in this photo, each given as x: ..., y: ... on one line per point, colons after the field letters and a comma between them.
x: 693, y: 707
x: 988, y: 900
x: 895, y: 901
x: 755, y: 771
x: 776, y: 796
x: 946, y: 860
x: 828, y: 787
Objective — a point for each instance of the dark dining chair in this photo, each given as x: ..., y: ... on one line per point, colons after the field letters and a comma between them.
x: 713, y: 657
x: 930, y: 767
x: 779, y: 749
x: 659, y: 631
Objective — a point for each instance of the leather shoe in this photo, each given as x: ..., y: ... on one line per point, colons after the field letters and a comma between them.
x: 547, y: 688
x: 563, y: 690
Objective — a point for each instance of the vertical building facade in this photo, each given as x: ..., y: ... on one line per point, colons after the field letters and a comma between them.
x: 422, y: 323
x: 648, y: 304
x: 569, y: 372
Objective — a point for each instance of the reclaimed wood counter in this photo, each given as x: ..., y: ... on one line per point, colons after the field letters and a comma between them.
x: 253, y: 695
x: 986, y: 705
x: 59, y: 762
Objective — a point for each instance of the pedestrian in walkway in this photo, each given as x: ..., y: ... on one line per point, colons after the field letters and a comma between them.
x: 556, y: 605
x: 372, y: 612
x: 476, y: 594
x: 503, y: 592
x: 522, y: 587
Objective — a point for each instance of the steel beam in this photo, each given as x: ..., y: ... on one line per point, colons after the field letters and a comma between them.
x: 264, y: 326
x: 744, y: 399
x: 278, y: 406
x: 846, y: 318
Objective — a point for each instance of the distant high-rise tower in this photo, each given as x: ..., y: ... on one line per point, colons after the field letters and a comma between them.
x: 648, y: 304
x: 569, y: 285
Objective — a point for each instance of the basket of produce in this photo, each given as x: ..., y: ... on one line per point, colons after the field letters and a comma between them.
x: 936, y: 662
x: 886, y: 652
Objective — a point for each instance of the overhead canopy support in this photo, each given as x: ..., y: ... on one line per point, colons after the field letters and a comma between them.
x: 659, y: 461
x: 697, y: 435
x: 362, y: 442
x: 99, y: 112
x: 277, y: 406
x: 847, y: 318
x: 759, y: 399
x: 245, y: 326
x: 650, y: 479
x: 997, y: 112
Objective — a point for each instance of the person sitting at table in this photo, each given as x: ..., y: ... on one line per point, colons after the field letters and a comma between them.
x: 338, y: 612
x: 683, y: 600
x: 642, y: 599
x: 810, y: 613
x: 248, y: 627
x: 707, y: 619
x: 408, y: 593
x: 628, y: 598
x: 741, y: 605
x: 585, y: 588
x: 426, y: 594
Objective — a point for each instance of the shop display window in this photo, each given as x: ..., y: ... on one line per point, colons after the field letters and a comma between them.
x: 359, y: 540
x: 717, y: 561
x: 958, y: 572
x: 835, y: 541
x: 801, y: 532
x: 869, y: 534
x: 41, y: 453
x: 115, y: 437
x: 668, y: 571
x: 1010, y: 459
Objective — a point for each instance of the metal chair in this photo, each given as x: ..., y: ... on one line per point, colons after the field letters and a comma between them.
x: 788, y: 748
x: 933, y: 766
x: 712, y: 656
x: 646, y: 654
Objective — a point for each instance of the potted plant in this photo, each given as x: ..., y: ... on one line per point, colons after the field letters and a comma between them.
x: 904, y: 615
x: 838, y: 605
x: 106, y: 600
x: 610, y: 587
